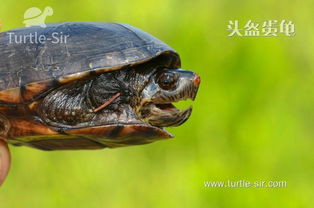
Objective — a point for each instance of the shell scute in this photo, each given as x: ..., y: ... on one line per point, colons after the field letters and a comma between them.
x: 91, y: 47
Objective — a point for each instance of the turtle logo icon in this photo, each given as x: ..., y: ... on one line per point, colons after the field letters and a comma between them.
x: 35, y: 17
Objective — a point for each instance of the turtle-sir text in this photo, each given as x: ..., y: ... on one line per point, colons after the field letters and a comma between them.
x: 35, y: 38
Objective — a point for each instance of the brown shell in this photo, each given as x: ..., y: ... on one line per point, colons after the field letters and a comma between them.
x: 27, y: 70
x: 109, y: 136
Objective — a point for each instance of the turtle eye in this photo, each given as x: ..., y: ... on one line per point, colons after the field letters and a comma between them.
x: 167, y: 80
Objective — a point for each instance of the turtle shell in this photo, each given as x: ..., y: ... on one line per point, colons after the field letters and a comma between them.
x: 30, y: 67
x: 85, y: 48
x: 32, y: 13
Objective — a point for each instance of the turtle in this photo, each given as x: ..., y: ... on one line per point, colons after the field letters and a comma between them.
x: 109, y: 85
x: 35, y: 17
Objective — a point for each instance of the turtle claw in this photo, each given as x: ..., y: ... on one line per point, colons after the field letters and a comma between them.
x: 4, y: 160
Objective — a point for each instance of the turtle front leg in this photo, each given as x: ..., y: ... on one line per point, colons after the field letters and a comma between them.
x: 5, y: 160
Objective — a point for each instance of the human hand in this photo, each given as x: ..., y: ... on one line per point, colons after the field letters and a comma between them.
x: 4, y: 160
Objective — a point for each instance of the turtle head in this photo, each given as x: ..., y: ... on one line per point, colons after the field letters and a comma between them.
x: 165, y: 87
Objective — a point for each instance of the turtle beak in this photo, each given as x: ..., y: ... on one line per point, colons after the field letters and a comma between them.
x: 166, y: 115
x: 160, y: 111
x: 196, y: 82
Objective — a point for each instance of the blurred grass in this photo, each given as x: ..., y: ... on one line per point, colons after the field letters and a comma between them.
x: 252, y: 120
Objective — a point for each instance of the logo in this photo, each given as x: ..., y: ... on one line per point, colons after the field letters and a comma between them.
x: 35, y: 17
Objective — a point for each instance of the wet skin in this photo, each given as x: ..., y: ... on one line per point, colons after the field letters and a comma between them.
x: 131, y: 96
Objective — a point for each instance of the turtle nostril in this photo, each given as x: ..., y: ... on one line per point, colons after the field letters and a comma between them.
x: 197, y: 80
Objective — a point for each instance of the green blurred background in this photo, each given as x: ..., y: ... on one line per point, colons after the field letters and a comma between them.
x: 253, y: 118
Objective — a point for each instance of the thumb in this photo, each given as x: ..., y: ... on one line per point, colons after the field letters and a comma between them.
x: 4, y: 160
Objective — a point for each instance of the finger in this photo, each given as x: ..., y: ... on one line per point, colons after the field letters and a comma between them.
x: 4, y: 160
